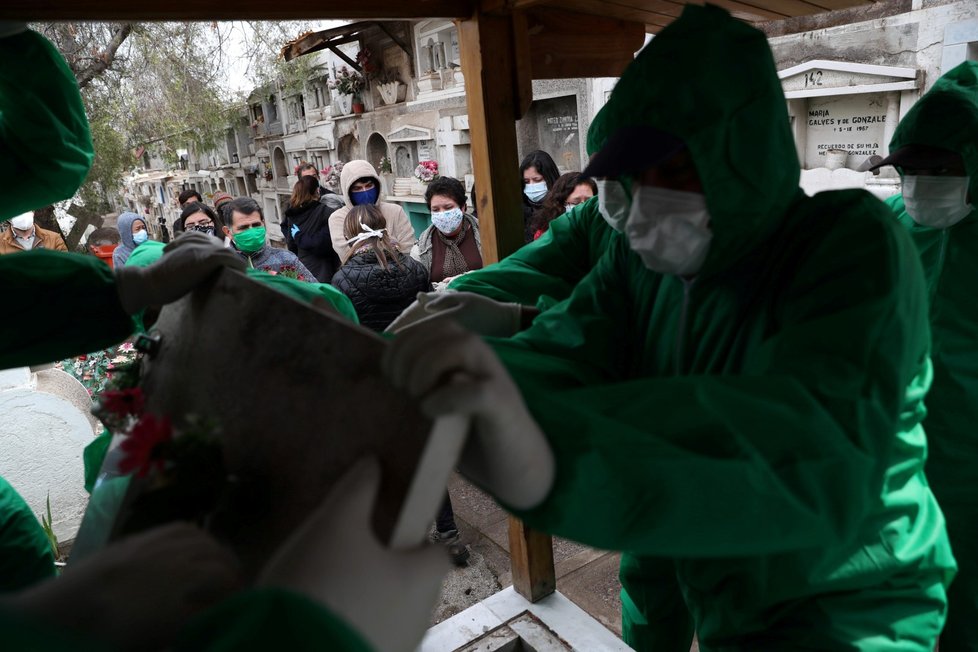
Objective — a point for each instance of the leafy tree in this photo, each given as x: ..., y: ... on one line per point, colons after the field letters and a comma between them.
x: 164, y: 83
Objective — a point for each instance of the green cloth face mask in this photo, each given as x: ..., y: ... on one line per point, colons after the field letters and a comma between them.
x: 251, y: 240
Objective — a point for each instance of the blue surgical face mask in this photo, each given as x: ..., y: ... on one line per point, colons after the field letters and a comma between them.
x: 535, y: 191
x: 140, y: 237
x: 361, y: 197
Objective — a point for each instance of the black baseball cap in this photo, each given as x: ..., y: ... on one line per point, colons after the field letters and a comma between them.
x: 632, y: 149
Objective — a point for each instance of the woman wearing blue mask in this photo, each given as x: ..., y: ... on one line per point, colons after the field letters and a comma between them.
x: 539, y: 174
x: 451, y: 245
x: 132, y: 233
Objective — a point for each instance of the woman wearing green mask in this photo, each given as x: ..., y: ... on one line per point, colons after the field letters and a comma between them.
x: 246, y: 228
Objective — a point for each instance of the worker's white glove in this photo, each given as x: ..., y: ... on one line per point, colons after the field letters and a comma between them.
x: 335, y: 559
x: 475, y: 312
x: 186, y: 262
x: 453, y: 371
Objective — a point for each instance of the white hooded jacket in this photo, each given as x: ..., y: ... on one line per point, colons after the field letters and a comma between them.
x: 398, y: 225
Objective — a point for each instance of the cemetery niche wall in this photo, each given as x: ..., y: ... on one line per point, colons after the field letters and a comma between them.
x: 843, y: 114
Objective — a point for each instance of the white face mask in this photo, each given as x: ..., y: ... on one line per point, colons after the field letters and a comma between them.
x: 535, y: 191
x: 669, y: 229
x: 937, y: 202
x: 613, y: 203
x: 22, y: 222
x: 447, y: 221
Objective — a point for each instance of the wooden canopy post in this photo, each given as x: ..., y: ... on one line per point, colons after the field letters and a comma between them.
x: 498, y: 91
x: 489, y: 64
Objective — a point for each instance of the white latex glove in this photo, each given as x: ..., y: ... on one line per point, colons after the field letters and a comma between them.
x: 335, y: 559
x: 453, y: 371
x: 138, y: 593
x: 475, y: 312
x: 186, y: 262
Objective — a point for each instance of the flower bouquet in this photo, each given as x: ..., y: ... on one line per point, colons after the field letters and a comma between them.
x: 426, y: 171
x: 288, y: 271
x: 348, y: 82
x: 95, y: 370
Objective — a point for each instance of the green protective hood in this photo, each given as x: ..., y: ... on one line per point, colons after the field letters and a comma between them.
x: 146, y: 254
x: 947, y: 116
x: 730, y: 111
x: 597, y: 133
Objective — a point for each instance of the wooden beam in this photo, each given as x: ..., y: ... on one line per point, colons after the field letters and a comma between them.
x: 341, y: 55
x: 532, y: 558
x: 857, y: 14
x: 637, y: 11
x: 498, y: 90
x: 523, y: 58
x: 500, y: 7
x: 486, y: 44
x: 48, y: 10
x: 566, y: 44
x: 294, y: 50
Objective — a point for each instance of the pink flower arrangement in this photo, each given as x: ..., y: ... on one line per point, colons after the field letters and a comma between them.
x: 426, y: 171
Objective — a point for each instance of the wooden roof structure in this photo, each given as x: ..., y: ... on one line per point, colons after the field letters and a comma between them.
x: 505, y: 44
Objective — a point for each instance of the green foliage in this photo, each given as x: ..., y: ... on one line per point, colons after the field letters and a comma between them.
x: 113, y: 159
x: 46, y: 524
x: 290, y: 75
x: 163, y: 84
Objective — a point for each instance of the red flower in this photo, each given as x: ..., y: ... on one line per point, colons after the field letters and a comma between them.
x: 141, y: 447
x: 123, y: 402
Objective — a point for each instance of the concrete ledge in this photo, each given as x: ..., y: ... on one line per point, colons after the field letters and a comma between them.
x: 566, y: 619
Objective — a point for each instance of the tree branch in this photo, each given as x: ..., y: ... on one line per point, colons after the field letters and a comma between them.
x: 105, y: 58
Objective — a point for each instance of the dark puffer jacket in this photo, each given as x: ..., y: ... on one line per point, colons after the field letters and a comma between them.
x: 379, y: 295
x: 308, y: 231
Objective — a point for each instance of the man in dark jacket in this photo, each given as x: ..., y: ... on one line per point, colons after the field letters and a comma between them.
x: 250, y: 240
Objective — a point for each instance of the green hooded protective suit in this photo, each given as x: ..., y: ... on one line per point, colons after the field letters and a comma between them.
x: 759, y: 424
x: 74, y: 309
x: 947, y: 116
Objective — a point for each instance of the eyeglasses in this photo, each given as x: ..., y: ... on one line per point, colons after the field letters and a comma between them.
x: 207, y: 225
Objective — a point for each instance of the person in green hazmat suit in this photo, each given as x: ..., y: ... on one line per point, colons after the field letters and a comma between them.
x: 322, y: 590
x: 531, y: 280
x: 737, y: 384
x: 935, y: 149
